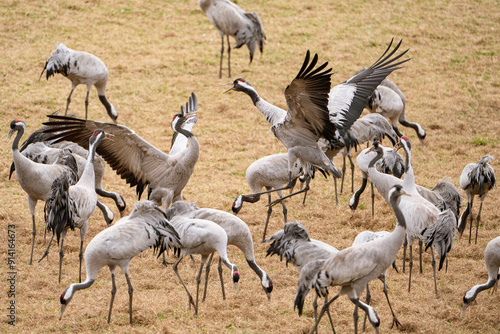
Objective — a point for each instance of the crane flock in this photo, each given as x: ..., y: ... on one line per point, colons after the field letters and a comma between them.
x: 62, y: 164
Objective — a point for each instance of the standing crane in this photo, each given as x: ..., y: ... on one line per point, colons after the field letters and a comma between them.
x: 145, y: 227
x: 238, y: 234
x: 388, y: 101
x: 134, y: 159
x: 492, y: 261
x: 421, y: 215
x: 80, y: 68
x: 231, y: 20
x: 200, y: 236
x: 476, y: 179
x: 356, y: 266
x: 71, y: 206
x: 270, y: 172
x: 310, y: 110
x: 36, y: 178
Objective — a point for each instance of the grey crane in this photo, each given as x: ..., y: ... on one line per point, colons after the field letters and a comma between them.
x: 35, y: 178
x: 238, y: 235
x: 270, y: 172
x: 309, y: 110
x: 492, y: 261
x: 450, y: 195
x: 80, y: 68
x: 134, y: 159
x: 231, y: 20
x: 38, y: 148
x: 422, y: 214
x: 367, y: 236
x: 354, y: 267
x: 391, y: 163
x: 307, y: 255
x: 145, y: 227
x: 201, y: 236
x: 71, y: 206
x: 366, y: 129
x: 43, y: 153
x: 388, y: 101
x: 476, y: 179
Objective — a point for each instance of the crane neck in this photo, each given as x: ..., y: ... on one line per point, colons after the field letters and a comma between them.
x: 394, y: 201
x: 474, y: 291
x: 409, y: 176
x: 15, y: 143
x: 273, y: 114
x: 380, y: 154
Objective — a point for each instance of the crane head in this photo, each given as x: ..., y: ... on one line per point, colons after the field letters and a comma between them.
x: 239, y: 85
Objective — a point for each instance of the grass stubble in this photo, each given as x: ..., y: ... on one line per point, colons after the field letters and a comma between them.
x: 157, y: 52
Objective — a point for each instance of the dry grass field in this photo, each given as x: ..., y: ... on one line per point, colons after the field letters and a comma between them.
x: 157, y: 53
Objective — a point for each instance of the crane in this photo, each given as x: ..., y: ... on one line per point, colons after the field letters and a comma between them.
x: 231, y: 20
x: 201, y: 236
x: 238, y: 235
x: 71, y: 206
x: 145, y: 227
x: 388, y: 101
x: 134, y: 159
x: 353, y: 267
x: 310, y: 110
x: 270, y: 172
x: 36, y: 178
x: 80, y: 68
x: 492, y: 261
x: 476, y: 179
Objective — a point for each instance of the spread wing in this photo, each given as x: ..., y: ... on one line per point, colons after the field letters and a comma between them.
x: 133, y: 158
x: 307, y: 99
x: 348, y: 99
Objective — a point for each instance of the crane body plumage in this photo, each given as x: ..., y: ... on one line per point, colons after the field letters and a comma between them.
x: 81, y: 68
x: 145, y: 227
x: 201, y: 236
x: 238, y: 235
x: 72, y: 206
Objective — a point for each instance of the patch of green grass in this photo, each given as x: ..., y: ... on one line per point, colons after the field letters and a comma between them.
x: 482, y: 141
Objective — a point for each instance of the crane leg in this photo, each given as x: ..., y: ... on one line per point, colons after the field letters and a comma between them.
x: 228, y: 56
x: 198, y: 280
x: 420, y: 254
x: 352, y: 173
x: 130, y: 296
x: 368, y: 299
x: 325, y: 308
x: 269, y: 211
x: 80, y: 256
x: 219, y: 268
x: 343, y: 173
x: 479, y: 217
x: 395, y: 320
x: 355, y: 317
x: 207, y: 271
x: 191, y: 301
x: 68, y: 100
x: 470, y: 230
x: 33, y: 239
x: 410, y: 265
x: 221, y: 54
x: 61, y: 255
x: 405, y: 244
x: 373, y: 201
x: 434, y: 270
x: 336, y: 194
x: 87, y: 102
x: 113, y: 293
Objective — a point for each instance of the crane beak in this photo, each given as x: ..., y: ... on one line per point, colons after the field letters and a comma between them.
x: 9, y: 134
x: 43, y: 70
x: 398, y: 146
x: 230, y: 89
x: 63, y: 307
x: 463, y: 310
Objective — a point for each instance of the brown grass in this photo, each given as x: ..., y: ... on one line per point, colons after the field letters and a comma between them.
x: 158, y: 52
